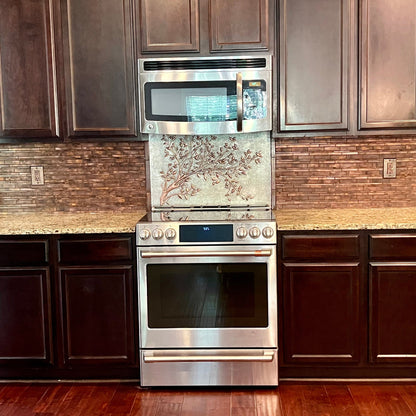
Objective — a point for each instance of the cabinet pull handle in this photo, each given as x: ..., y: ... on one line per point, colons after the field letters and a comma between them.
x: 254, y: 253
x: 265, y: 357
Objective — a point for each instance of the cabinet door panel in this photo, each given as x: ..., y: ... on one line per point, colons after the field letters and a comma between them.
x: 314, y: 64
x: 393, y: 313
x: 388, y: 63
x: 99, y: 68
x: 25, y: 328
x: 27, y: 72
x: 239, y: 24
x: 97, y: 308
x: 168, y: 26
x: 321, y: 313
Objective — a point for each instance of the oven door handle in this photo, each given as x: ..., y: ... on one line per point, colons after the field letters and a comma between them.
x: 267, y: 356
x: 249, y: 253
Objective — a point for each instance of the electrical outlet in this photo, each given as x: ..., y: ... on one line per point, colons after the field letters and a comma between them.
x: 37, y: 175
x: 389, y: 170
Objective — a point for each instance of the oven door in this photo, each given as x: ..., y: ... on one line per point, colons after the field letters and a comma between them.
x: 207, y: 297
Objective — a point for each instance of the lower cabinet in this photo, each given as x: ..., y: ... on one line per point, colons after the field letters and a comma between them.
x: 25, y: 317
x: 392, y: 280
x: 321, y: 313
x: 25, y: 303
x: 97, y: 311
x: 347, y: 304
x: 68, y: 308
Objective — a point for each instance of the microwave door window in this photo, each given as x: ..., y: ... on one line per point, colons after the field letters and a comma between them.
x: 191, y: 101
x: 254, y: 100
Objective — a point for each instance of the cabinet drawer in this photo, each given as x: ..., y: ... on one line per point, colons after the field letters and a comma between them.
x: 95, y: 251
x: 393, y: 247
x: 321, y: 247
x: 23, y: 253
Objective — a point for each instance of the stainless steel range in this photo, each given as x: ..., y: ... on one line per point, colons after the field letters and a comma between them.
x: 207, y: 297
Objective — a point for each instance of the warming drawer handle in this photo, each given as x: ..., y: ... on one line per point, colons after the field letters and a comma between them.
x: 265, y: 357
x: 252, y: 253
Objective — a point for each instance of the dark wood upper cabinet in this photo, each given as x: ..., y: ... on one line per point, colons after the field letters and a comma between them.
x: 28, y: 85
x: 169, y: 26
x: 239, y: 25
x: 99, y: 68
x: 388, y: 64
x: 315, y: 37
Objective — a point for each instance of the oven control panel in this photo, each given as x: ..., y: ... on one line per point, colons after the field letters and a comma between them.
x: 177, y: 233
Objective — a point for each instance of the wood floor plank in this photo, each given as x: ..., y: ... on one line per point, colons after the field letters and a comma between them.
x: 98, y: 401
x: 9, y: 399
x: 342, y: 403
x: 268, y: 402
x: 366, y: 400
x: 73, y: 400
x: 122, y: 401
x: 408, y: 393
x: 316, y: 401
x: 52, y: 399
x: 30, y: 398
x: 292, y: 399
x: 392, y: 401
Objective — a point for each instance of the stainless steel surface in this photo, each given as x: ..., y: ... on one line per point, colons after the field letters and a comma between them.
x: 239, y: 80
x: 206, y: 75
x: 209, y: 373
x: 256, y: 230
x: 263, y: 337
x: 217, y: 343
x: 150, y: 358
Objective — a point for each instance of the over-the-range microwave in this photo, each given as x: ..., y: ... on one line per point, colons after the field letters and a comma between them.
x: 210, y: 95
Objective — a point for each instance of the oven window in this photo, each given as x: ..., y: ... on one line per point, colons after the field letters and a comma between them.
x: 207, y: 295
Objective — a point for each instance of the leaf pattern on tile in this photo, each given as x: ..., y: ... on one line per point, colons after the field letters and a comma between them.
x: 199, y: 157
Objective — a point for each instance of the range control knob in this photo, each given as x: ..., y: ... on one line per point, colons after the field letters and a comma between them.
x: 241, y: 232
x: 254, y: 232
x: 268, y: 232
x: 157, y: 233
x: 144, y: 234
x: 170, y: 233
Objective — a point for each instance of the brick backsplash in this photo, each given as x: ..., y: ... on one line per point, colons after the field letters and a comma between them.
x: 344, y: 172
x: 78, y: 177
x: 323, y: 172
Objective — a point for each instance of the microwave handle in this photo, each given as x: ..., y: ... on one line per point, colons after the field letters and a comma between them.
x: 239, y: 80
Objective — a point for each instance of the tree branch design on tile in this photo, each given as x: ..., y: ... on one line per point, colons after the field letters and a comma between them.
x: 198, y: 157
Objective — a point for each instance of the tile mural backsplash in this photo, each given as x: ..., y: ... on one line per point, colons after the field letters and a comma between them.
x: 210, y: 170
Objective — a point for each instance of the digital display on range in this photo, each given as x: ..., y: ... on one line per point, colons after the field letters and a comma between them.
x: 214, y: 233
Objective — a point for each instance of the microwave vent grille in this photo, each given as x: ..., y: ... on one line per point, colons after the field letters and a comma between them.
x: 181, y: 65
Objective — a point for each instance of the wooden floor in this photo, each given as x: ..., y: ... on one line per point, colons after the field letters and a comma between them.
x: 287, y: 399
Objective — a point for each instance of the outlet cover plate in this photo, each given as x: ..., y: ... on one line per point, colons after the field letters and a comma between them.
x: 37, y: 175
x: 389, y: 169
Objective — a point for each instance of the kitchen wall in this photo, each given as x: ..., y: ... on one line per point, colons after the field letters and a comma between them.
x: 334, y: 172
x: 78, y: 177
x: 344, y: 172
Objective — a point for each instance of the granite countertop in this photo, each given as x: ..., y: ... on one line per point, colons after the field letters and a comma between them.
x: 287, y: 219
x: 69, y: 223
x: 346, y: 219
